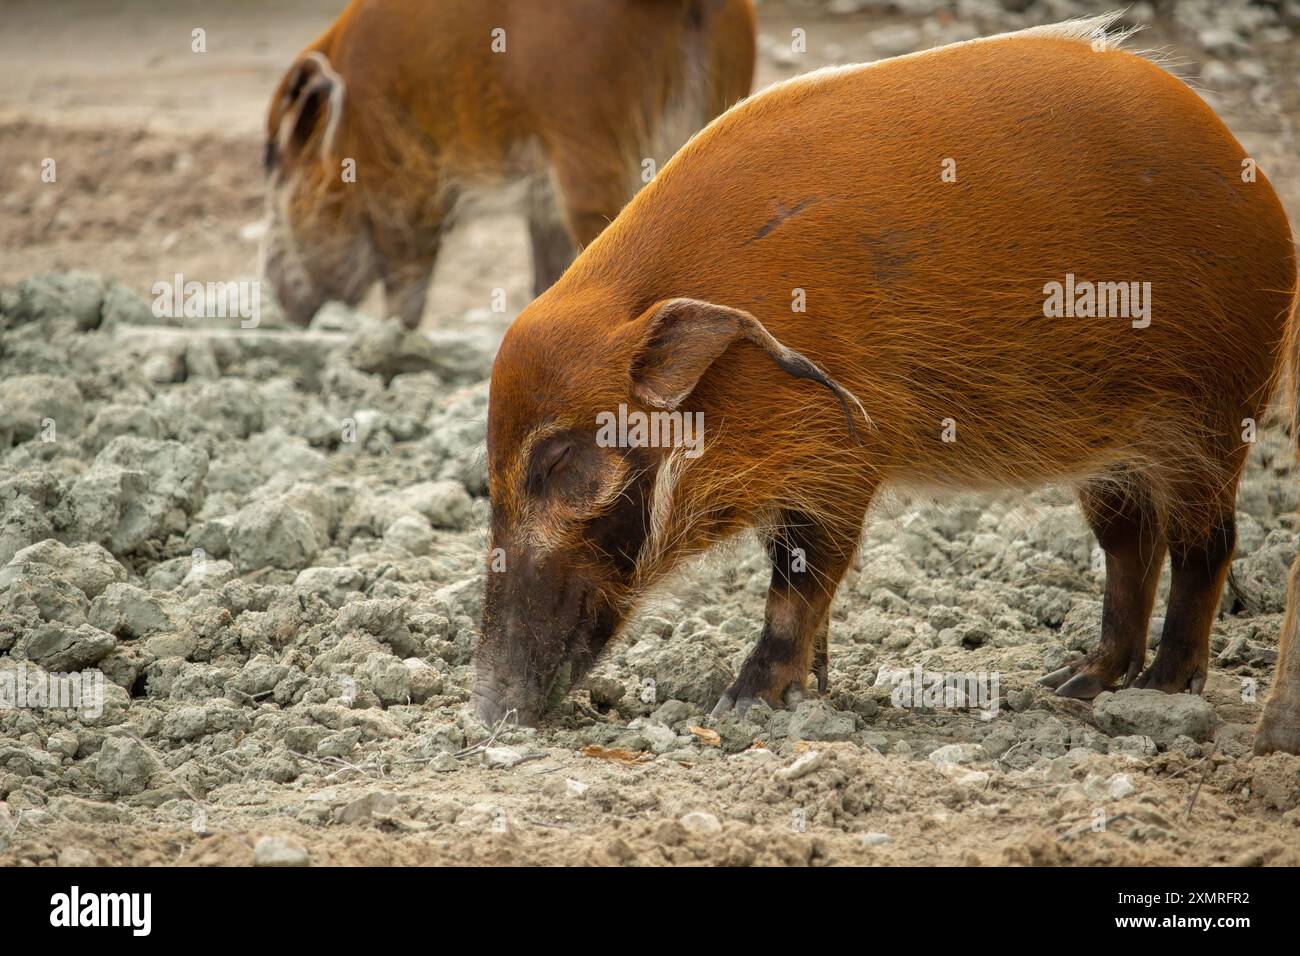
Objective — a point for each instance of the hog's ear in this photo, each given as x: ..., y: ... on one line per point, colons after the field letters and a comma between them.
x: 681, y: 338
x: 310, y: 99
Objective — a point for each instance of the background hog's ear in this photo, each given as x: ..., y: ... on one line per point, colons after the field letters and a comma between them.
x: 681, y: 338
x: 309, y: 100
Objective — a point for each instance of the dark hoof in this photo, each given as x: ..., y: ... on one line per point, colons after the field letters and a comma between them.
x: 791, y: 698
x: 1177, y: 682
x: 1082, y: 686
x: 1057, y: 677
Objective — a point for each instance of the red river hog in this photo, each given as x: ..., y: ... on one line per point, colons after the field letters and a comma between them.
x: 1034, y: 258
x: 404, y: 109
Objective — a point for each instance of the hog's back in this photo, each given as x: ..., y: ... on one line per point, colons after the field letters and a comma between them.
x: 927, y: 296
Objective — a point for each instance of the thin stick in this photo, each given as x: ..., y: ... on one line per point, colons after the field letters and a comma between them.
x: 1197, y: 792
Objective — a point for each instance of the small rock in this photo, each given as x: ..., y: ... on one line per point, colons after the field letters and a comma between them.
x: 332, y: 585
x: 410, y: 533
x: 692, y: 670
x: 339, y: 744
x: 279, y: 851
x: 61, y: 295
x: 389, y: 350
x: 136, y: 490
x: 566, y: 788
x: 185, y: 723
x: 1152, y: 713
x: 501, y: 758
x: 817, y: 720
x: 305, y: 739
x: 122, y: 307
x: 446, y: 504
x: 114, y: 420
x: 1120, y: 786
x: 363, y: 808
x: 698, y: 821
x: 957, y: 754
x: 32, y: 405
x: 76, y: 856
x: 389, y: 678
x: 425, y: 680
x: 444, y: 762
x: 964, y: 777
x: 59, y: 648
x: 208, y: 574
x: 63, y: 742
x: 1133, y: 745
x: 660, y: 738
x: 128, y: 612
x: 275, y: 534
x: 125, y: 766
x: 803, y: 765
x: 606, y: 692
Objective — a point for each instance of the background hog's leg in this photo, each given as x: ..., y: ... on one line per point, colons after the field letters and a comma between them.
x: 407, y: 256
x: 1127, y: 528
x: 592, y: 191
x: 405, y: 292
x: 406, y: 283
x: 808, y: 561
x: 1279, y: 726
x: 1199, y: 568
x: 552, y: 247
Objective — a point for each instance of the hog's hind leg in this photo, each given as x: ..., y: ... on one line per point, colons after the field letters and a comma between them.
x: 1199, y: 567
x: 1127, y: 527
x: 1202, y: 537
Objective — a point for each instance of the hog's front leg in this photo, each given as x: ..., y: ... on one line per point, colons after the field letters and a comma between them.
x: 808, y: 560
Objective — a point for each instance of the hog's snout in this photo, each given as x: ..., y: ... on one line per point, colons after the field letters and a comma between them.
x: 486, y: 704
x: 492, y: 704
x: 533, y: 642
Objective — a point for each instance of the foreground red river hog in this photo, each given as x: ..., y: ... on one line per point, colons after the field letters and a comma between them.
x: 405, y: 109
x: 1030, y: 259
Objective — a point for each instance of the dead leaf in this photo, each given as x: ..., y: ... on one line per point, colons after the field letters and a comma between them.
x: 709, y: 737
x: 616, y: 754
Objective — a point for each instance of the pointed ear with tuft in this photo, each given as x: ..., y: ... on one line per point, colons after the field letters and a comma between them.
x: 681, y: 338
x: 310, y: 98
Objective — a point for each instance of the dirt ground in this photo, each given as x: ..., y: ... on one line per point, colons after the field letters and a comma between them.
x: 310, y: 708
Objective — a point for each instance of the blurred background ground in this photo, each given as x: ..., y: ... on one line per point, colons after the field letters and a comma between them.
x: 158, y: 148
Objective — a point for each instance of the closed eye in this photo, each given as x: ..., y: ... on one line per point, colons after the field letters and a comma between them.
x: 554, y: 458
x: 549, y: 461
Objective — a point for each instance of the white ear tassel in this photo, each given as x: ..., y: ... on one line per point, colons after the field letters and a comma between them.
x: 337, y: 88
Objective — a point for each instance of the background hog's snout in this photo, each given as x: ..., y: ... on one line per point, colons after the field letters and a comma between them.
x: 292, y: 289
